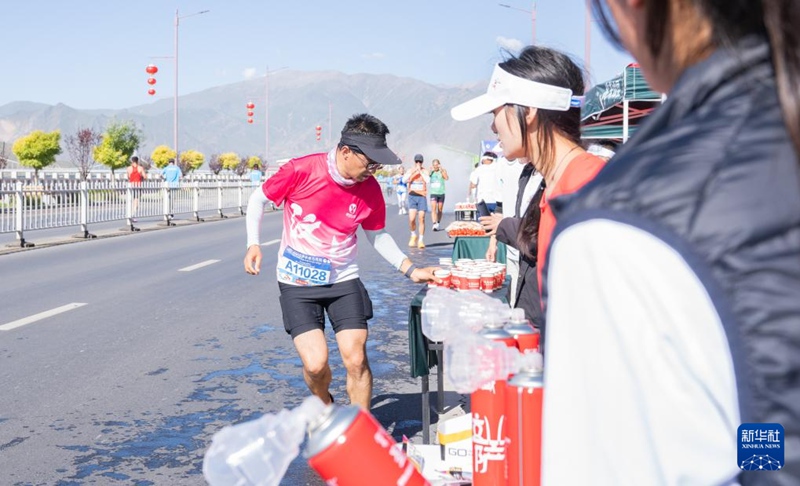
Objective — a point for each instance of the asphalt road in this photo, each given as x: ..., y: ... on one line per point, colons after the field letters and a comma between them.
x: 172, y: 342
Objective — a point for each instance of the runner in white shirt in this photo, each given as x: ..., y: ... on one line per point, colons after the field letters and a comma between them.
x: 484, y: 181
x: 326, y: 197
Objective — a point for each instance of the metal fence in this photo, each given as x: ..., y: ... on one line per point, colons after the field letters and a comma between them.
x: 45, y: 204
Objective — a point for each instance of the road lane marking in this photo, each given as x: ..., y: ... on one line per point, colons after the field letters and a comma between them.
x: 271, y: 242
x: 40, y: 316
x: 199, y: 265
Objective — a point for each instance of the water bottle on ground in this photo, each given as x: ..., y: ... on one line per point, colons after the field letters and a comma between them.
x: 258, y: 452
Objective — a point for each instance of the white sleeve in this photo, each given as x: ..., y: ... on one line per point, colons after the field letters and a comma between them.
x: 639, y: 379
x: 255, y: 210
x: 386, y: 246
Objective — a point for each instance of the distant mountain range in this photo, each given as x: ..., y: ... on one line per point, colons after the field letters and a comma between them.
x: 215, y: 120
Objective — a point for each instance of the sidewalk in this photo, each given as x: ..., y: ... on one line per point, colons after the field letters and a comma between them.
x: 72, y: 234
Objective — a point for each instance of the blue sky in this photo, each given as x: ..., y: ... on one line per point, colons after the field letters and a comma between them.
x: 93, y: 53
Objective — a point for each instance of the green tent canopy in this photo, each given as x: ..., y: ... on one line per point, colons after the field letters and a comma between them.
x: 611, y: 110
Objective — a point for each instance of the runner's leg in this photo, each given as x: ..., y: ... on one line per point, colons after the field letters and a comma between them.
x: 313, y: 351
x: 353, y: 346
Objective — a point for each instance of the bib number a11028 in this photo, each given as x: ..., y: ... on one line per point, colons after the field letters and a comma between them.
x: 300, y: 269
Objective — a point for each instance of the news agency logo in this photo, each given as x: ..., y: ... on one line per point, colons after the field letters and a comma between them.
x: 760, y: 447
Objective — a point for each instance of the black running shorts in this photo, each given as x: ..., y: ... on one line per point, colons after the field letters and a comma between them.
x: 347, y: 304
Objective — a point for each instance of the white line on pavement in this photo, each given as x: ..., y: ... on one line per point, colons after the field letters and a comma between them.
x: 271, y: 242
x: 199, y: 265
x: 40, y: 316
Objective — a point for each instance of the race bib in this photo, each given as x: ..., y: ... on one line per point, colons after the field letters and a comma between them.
x: 436, y: 185
x: 301, y: 269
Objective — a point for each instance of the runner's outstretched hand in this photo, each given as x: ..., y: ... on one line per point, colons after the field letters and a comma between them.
x: 252, y: 260
x: 423, y: 275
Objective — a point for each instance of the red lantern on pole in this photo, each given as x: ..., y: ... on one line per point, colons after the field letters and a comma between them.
x: 250, y: 120
x: 151, y: 81
x: 250, y: 105
x: 249, y: 113
x: 151, y: 91
x: 151, y: 69
x: 319, y: 132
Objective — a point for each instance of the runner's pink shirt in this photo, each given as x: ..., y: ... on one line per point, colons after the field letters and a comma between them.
x: 320, y: 220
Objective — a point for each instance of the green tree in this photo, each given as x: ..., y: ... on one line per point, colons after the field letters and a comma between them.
x: 191, y: 160
x: 229, y: 160
x: 37, y: 149
x: 120, y: 141
x: 161, y: 155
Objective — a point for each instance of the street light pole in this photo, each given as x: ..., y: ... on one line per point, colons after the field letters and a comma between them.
x: 266, y: 110
x: 587, y: 46
x: 175, y: 98
x: 532, y: 11
x: 330, y: 117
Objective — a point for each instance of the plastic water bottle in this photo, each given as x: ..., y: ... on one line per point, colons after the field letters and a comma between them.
x: 472, y: 361
x: 258, y: 452
x: 445, y: 312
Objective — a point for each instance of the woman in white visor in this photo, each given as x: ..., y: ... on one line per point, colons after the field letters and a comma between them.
x: 535, y: 101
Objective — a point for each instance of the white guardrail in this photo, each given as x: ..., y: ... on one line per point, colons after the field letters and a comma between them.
x: 29, y: 205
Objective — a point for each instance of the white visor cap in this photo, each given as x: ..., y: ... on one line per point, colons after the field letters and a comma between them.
x: 505, y: 88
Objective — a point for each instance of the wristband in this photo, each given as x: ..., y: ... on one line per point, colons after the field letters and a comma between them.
x: 410, y: 270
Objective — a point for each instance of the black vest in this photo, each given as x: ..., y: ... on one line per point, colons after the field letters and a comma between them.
x: 713, y: 173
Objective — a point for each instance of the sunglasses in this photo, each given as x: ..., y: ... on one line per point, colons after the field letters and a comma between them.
x: 370, y: 166
x: 418, y: 162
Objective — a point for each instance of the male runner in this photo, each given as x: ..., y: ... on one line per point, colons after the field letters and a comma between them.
x: 326, y: 197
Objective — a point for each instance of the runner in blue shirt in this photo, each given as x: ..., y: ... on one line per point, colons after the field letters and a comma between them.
x: 172, y: 174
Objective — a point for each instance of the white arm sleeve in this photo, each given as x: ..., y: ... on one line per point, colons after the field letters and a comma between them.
x: 255, y: 210
x: 639, y: 377
x: 386, y: 246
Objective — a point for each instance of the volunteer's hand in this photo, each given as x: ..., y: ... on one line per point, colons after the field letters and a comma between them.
x: 252, y: 260
x: 490, y: 222
x: 491, y: 252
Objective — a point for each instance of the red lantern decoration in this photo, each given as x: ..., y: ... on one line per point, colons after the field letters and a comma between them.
x: 250, y: 105
x: 249, y: 113
x: 151, y: 91
x: 151, y: 69
x: 319, y: 132
x: 151, y: 81
x: 249, y: 120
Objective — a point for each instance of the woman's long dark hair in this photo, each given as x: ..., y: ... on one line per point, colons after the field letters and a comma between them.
x: 777, y: 20
x: 528, y: 234
x: 547, y: 66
